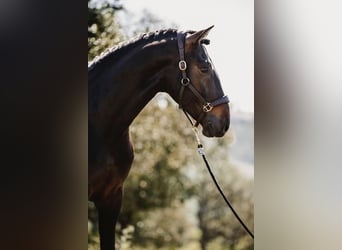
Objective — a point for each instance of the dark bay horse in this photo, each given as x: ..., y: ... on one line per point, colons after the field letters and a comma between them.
x: 120, y: 83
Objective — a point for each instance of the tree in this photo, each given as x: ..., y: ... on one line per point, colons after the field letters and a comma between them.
x: 103, y: 29
x: 157, y: 184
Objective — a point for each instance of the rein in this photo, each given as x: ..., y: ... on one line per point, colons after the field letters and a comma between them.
x: 207, y: 107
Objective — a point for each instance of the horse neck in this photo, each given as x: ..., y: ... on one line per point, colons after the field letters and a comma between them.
x: 135, y: 79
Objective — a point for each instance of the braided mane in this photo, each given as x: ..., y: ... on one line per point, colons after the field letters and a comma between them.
x: 124, y: 47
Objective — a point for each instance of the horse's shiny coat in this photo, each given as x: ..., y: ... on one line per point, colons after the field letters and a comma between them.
x: 120, y: 84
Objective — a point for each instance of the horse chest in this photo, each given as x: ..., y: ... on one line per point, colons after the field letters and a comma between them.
x: 109, y: 172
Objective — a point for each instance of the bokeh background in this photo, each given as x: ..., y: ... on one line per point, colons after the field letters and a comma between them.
x: 298, y: 142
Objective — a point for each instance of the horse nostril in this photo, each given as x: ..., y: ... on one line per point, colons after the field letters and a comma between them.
x: 226, y: 126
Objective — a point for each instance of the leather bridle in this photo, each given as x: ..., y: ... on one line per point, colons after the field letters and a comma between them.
x: 185, y: 82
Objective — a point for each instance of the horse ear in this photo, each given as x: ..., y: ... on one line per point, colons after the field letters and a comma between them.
x: 196, y: 37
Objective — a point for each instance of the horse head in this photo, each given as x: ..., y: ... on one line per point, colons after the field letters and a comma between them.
x: 200, y: 90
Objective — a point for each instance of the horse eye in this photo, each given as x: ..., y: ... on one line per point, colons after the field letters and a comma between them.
x: 204, y: 69
x: 205, y: 66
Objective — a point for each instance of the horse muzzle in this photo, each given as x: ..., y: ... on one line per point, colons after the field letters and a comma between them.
x: 214, y: 127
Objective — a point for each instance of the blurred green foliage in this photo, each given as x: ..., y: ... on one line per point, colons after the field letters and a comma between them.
x: 103, y: 30
x: 158, y: 185
x: 170, y: 201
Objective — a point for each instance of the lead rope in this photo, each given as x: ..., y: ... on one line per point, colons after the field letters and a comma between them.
x: 185, y: 82
x: 200, y: 149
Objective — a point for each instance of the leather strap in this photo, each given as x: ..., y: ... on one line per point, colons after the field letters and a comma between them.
x: 182, y: 66
x: 223, y: 100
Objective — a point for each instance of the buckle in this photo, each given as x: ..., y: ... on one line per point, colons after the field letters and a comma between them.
x: 207, y: 107
x: 185, y: 81
x: 182, y: 65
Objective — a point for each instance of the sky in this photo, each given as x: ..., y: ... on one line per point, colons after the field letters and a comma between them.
x: 232, y: 39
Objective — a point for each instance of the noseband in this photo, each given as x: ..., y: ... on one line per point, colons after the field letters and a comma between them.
x: 185, y: 82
